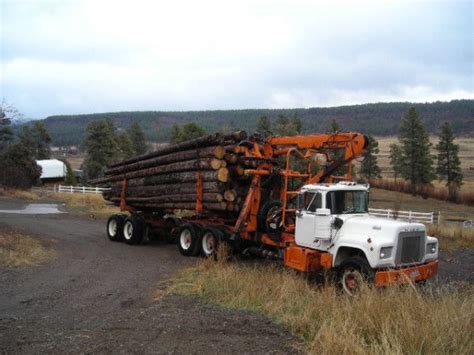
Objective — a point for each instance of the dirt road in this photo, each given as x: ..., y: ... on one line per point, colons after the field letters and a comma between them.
x: 98, y: 296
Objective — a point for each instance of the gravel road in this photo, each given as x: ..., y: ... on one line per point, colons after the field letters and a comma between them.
x: 97, y: 296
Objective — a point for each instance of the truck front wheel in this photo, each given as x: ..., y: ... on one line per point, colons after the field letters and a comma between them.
x: 354, y: 273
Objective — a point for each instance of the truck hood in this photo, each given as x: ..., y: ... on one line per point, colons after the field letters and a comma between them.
x: 377, y: 228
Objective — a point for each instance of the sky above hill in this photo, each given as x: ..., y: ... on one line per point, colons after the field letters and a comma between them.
x: 69, y: 57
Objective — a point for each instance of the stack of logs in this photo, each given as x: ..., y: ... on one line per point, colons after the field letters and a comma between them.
x: 167, y: 178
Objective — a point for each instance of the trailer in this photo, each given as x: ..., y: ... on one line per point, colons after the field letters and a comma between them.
x: 300, y: 207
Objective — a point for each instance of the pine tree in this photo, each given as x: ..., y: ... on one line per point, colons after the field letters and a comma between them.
x: 27, y: 140
x: 137, y: 138
x: 264, y: 124
x: 42, y: 141
x: 7, y: 138
x: 281, y: 125
x: 70, y: 178
x: 369, y: 168
x: 18, y: 167
x: 333, y: 127
x: 297, y: 124
x: 101, y: 148
x: 127, y: 149
x: 417, y: 164
x: 396, y: 160
x: 448, y: 165
x: 175, y: 134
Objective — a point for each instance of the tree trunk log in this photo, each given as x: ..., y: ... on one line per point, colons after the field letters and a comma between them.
x: 218, y: 206
x: 189, y: 165
x: 205, y: 141
x: 209, y: 152
x: 172, y: 198
x: 184, y: 188
x: 181, y: 177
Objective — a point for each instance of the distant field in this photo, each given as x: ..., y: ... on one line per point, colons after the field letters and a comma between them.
x: 396, y: 200
x: 466, y: 154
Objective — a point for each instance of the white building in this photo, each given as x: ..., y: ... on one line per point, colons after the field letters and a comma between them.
x: 52, y: 170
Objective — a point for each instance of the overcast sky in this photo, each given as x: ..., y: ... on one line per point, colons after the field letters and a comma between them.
x: 67, y: 57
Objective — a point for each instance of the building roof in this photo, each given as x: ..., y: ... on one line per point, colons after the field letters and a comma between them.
x: 52, y: 168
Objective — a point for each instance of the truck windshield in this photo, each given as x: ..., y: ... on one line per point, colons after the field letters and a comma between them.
x: 341, y: 202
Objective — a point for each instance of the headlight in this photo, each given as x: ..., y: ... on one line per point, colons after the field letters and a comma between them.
x: 431, y: 248
x: 386, y: 252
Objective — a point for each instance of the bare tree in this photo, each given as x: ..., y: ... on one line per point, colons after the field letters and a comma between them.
x: 8, y: 113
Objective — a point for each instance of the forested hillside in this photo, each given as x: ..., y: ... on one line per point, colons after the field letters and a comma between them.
x: 378, y: 119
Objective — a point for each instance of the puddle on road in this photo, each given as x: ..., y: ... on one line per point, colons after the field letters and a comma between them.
x: 36, y: 208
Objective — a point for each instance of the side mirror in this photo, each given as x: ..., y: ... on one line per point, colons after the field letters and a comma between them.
x: 323, y: 212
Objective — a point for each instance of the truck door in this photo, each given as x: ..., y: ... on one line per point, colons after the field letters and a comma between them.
x: 306, y: 218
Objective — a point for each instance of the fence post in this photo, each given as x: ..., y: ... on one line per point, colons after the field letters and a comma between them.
x: 388, y: 213
x: 70, y: 189
x: 83, y: 189
x: 409, y: 216
x: 96, y: 190
x: 59, y: 188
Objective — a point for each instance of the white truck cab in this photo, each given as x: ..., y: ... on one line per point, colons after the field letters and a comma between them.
x: 334, y: 218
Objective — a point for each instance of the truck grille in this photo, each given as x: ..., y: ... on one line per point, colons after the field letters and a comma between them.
x: 411, y: 247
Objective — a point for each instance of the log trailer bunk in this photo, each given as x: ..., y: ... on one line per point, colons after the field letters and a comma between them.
x: 268, y: 221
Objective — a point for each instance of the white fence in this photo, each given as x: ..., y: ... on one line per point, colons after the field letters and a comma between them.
x: 430, y: 217
x: 81, y: 189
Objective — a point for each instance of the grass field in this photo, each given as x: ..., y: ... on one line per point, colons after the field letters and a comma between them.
x: 395, y: 200
x: 18, y: 249
x: 466, y: 155
x: 390, y: 321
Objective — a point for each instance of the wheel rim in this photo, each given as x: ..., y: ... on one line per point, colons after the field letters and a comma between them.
x: 273, y: 218
x: 128, y: 230
x: 352, y: 281
x: 208, y: 243
x: 185, y: 239
x: 113, y: 228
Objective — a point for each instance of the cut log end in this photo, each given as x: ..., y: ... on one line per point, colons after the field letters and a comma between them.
x: 216, y: 164
x: 223, y: 175
x: 219, y: 152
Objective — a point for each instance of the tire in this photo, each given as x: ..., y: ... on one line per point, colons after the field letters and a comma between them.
x: 267, y: 209
x: 172, y: 228
x: 210, y: 240
x: 354, y: 273
x: 133, y: 229
x: 115, y: 227
x: 188, y: 240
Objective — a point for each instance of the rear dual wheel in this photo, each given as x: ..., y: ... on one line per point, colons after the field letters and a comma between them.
x: 210, y: 240
x: 188, y: 239
x: 133, y: 228
x: 194, y: 239
x: 115, y: 227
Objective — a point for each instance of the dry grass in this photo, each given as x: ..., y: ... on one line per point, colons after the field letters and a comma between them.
x: 18, y: 249
x: 19, y: 194
x: 380, y: 198
x: 437, y: 192
x: 466, y: 155
x: 452, y: 237
x: 90, y: 203
x: 394, y: 321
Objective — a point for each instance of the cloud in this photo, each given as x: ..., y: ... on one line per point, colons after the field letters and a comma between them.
x: 91, y: 56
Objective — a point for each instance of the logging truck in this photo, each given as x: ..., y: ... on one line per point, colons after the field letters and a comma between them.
x: 299, y: 205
